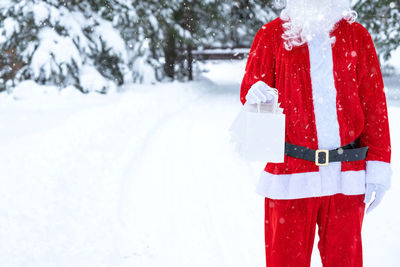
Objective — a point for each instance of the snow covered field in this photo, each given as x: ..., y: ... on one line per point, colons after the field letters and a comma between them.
x: 145, y: 178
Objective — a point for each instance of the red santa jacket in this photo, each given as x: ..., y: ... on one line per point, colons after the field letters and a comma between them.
x: 360, y: 102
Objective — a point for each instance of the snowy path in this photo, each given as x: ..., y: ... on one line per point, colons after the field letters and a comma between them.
x: 192, y: 194
x: 146, y: 178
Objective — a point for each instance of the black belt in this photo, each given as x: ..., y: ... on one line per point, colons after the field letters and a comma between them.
x: 322, y: 157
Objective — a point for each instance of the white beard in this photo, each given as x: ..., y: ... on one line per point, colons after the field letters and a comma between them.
x: 305, y: 19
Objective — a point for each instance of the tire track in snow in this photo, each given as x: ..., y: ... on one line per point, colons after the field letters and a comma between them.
x: 136, y: 159
x: 184, y: 200
x: 170, y: 188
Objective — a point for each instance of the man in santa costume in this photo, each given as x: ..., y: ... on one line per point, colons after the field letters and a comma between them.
x: 337, y: 153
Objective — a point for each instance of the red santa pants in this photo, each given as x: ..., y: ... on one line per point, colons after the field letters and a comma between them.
x: 290, y: 230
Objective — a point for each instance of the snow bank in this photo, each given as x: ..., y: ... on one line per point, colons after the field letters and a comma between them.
x: 30, y: 90
x: 92, y: 80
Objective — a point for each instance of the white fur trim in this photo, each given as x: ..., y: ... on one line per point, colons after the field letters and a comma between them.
x: 310, y: 184
x: 324, y: 92
x: 379, y: 172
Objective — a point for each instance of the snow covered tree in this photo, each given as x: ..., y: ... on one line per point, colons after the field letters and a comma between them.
x: 193, y: 27
x: 189, y: 24
x: 244, y: 18
x: 173, y: 29
x: 381, y: 18
x: 137, y: 23
x: 64, y: 43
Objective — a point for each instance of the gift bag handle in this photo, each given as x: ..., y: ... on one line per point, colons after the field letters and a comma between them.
x: 275, y: 101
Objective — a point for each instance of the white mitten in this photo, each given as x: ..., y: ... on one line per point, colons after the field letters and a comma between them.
x: 260, y: 92
x: 379, y: 190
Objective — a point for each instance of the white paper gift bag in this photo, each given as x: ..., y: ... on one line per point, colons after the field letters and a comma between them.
x: 259, y: 133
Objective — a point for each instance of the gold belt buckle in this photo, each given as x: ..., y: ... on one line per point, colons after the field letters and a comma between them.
x: 317, y: 157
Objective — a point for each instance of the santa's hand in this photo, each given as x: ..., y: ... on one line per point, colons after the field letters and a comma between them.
x: 379, y: 190
x: 260, y: 92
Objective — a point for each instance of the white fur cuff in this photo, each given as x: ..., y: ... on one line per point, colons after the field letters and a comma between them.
x: 378, y: 172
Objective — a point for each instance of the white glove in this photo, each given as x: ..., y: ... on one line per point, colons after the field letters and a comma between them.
x: 260, y: 92
x: 379, y: 190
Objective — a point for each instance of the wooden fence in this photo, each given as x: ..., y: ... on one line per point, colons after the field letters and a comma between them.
x: 221, y: 53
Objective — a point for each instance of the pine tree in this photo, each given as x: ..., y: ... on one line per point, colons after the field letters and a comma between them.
x: 63, y: 43
x: 193, y: 28
x: 243, y: 19
x: 381, y: 18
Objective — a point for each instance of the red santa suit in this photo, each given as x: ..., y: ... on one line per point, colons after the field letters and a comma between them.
x: 330, y: 98
x: 331, y: 92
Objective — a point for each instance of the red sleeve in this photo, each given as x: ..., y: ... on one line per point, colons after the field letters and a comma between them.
x: 375, y: 134
x: 260, y: 64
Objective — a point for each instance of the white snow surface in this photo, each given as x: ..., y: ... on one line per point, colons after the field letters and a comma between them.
x: 145, y: 178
